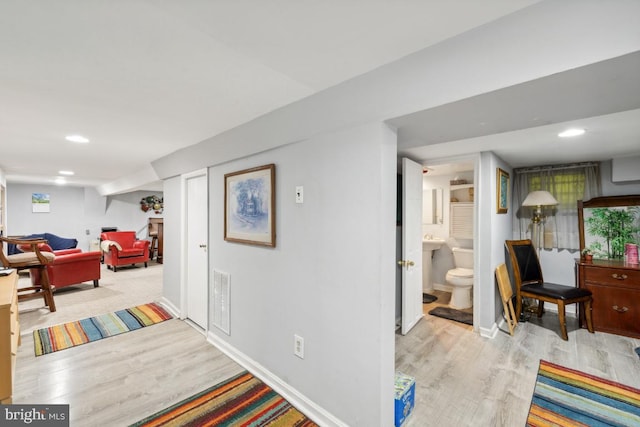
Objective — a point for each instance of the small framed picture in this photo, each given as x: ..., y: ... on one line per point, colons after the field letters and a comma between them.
x: 249, y: 206
x: 40, y: 202
x: 502, y: 189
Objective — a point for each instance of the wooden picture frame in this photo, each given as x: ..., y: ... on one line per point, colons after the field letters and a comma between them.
x: 502, y: 191
x: 249, y: 206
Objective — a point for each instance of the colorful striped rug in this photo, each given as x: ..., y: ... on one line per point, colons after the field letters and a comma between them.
x: 566, y: 397
x: 60, y: 337
x: 242, y: 400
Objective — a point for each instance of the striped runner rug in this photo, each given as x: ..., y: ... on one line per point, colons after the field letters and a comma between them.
x: 566, y: 397
x: 60, y: 337
x: 242, y: 400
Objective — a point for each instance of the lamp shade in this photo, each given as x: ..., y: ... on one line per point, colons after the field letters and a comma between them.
x: 539, y: 198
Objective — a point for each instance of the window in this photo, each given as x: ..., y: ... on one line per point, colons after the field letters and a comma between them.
x: 568, y: 184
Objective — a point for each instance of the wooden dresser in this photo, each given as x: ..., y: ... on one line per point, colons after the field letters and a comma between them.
x: 9, y: 334
x: 616, y: 295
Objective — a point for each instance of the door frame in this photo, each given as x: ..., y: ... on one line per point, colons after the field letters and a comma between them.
x: 480, y: 251
x: 183, y: 241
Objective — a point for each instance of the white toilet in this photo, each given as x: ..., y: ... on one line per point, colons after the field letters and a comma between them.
x: 461, y: 278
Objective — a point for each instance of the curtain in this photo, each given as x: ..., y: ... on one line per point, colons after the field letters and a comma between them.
x: 568, y: 184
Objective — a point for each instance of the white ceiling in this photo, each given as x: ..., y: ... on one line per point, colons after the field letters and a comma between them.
x: 144, y: 78
x: 521, y: 123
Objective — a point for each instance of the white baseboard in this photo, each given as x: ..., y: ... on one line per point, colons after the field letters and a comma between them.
x: 441, y: 287
x: 169, y: 306
x: 293, y: 396
x: 490, y: 332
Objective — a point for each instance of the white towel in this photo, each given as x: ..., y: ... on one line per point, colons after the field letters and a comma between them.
x: 104, y: 245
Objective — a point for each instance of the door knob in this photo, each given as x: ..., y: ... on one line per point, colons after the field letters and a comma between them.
x: 406, y: 263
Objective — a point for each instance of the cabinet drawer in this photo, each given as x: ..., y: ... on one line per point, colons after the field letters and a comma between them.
x: 613, y: 276
x: 15, y: 341
x: 616, y: 310
x: 13, y: 316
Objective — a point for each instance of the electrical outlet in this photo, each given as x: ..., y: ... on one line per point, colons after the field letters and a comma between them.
x: 298, y: 346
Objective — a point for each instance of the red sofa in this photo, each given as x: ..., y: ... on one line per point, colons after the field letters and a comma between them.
x: 123, y: 248
x: 70, y: 267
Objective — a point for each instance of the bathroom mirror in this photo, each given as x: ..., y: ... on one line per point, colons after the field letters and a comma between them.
x: 432, y: 206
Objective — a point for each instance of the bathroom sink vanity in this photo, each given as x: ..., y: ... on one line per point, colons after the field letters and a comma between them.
x: 429, y: 244
x: 432, y: 244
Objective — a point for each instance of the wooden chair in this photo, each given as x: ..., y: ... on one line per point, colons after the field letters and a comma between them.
x: 529, y: 283
x: 35, y: 258
x: 506, y: 293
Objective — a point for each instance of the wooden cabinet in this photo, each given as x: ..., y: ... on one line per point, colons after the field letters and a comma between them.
x: 616, y: 295
x: 9, y: 334
x: 461, y: 220
x: 461, y: 211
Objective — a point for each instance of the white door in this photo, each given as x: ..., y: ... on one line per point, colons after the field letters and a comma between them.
x: 196, y: 250
x: 411, y: 262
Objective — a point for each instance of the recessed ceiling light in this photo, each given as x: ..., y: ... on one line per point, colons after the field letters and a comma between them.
x: 571, y: 132
x: 60, y: 180
x: 76, y: 138
x: 68, y: 173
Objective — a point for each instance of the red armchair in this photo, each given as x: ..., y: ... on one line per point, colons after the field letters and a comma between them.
x: 70, y: 267
x: 123, y: 248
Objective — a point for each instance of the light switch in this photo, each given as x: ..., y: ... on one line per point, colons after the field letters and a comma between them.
x: 299, y: 194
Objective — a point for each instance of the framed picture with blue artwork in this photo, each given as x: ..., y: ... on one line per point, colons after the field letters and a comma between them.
x: 502, y: 198
x: 249, y: 206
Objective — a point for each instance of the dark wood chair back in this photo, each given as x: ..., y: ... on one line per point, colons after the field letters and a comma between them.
x: 529, y: 283
x: 526, y: 264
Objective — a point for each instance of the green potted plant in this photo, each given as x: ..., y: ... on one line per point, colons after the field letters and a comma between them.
x: 616, y: 227
x: 587, y: 255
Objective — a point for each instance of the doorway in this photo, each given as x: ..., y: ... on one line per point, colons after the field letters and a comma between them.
x: 196, y: 232
x: 447, y: 186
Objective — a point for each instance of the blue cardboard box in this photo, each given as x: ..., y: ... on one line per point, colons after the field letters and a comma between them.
x: 405, y: 390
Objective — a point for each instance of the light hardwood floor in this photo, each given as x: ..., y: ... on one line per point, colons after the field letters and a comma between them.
x: 121, y: 379
x: 462, y: 379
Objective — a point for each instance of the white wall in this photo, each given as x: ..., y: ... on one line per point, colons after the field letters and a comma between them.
x: 610, y: 188
x: 74, y: 210
x: 330, y: 278
x: 324, y: 280
x: 499, y: 231
x: 172, y: 215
